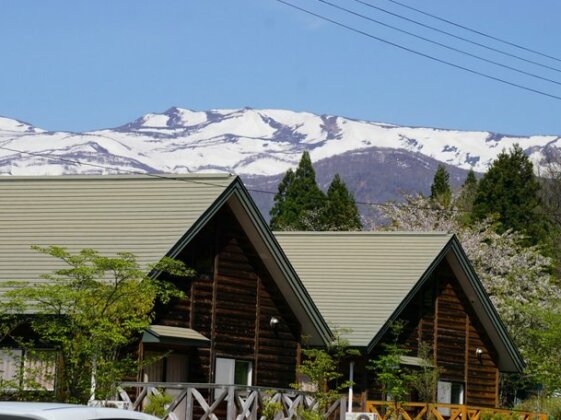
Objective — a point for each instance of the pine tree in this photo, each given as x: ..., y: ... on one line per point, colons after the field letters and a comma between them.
x: 510, y: 191
x: 440, y: 190
x: 280, y: 213
x: 465, y: 199
x: 299, y: 202
x: 341, y: 212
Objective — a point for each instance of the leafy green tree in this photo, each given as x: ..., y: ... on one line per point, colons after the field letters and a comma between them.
x: 396, y: 380
x: 299, y: 202
x: 341, y: 212
x: 90, y: 311
x: 440, y: 190
x: 550, y: 193
x: 517, y: 278
x: 425, y: 379
x: 509, y: 191
x: 321, y: 369
x: 544, y: 342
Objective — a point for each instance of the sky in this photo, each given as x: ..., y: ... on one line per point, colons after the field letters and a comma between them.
x: 80, y: 65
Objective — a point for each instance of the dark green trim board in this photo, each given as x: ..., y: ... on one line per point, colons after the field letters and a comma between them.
x: 284, y: 263
x: 409, y: 297
x: 203, y: 220
x: 488, y: 305
x: 362, y: 281
x: 157, y: 334
x: 149, y: 216
x: 237, y: 189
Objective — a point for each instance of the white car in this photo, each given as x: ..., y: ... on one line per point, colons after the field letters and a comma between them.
x: 58, y: 411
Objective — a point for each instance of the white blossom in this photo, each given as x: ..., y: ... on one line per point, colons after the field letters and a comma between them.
x: 513, y: 275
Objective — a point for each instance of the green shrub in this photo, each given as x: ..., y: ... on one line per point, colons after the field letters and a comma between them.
x: 551, y: 406
x: 158, y: 403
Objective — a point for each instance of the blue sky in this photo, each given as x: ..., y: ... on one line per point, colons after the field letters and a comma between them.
x: 81, y: 65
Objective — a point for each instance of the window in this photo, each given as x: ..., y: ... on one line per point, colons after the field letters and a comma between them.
x: 171, y: 368
x: 39, y: 370
x: 10, y: 367
x: 32, y: 370
x: 449, y: 393
x: 232, y: 371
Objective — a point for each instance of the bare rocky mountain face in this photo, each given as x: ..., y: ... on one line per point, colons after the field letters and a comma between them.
x: 377, y: 161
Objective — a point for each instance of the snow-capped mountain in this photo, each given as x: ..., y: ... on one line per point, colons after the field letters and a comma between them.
x: 243, y: 141
x: 378, y: 161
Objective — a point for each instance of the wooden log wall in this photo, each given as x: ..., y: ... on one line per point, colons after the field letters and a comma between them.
x: 231, y: 302
x: 441, y: 316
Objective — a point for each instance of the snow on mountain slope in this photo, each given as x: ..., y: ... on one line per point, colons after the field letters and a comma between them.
x: 243, y: 141
x: 8, y: 125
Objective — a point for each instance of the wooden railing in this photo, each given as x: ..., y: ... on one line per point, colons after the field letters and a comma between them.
x: 213, y: 402
x: 386, y: 410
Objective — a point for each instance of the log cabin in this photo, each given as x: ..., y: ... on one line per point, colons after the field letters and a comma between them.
x: 254, y: 303
x: 362, y: 282
x: 245, y: 312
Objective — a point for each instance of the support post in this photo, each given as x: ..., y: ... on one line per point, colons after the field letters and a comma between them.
x: 189, y: 404
x: 231, y: 412
x: 351, y: 379
x: 342, y: 405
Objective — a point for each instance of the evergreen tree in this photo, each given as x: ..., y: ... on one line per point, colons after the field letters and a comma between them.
x: 440, y: 190
x: 299, y: 202
x: 280, y: 213
x: 341, y: 212
x: 466, y: 197
x: 510, y: 191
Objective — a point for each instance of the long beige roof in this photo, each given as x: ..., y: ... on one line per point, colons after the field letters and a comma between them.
x: 141, y: 214
x: 358, y: 279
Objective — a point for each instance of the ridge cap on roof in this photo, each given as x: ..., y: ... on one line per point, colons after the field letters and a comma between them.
x: 97, y: 177
x: 363, y: 233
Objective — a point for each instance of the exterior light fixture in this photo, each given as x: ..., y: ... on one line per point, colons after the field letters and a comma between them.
x: 274, y: 323
x: 478, y: 353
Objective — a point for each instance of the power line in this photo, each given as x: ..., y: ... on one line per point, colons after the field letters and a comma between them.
x: 94, y: 165
x: 254, y: 190
x: 504, y: 41
x: 169, y: 178
x: 395, y: 28
x: 430, y: 57
x: 433, y: 28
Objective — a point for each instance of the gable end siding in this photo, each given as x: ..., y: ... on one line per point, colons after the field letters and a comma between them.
x: 441, y: 316
x: 232, y: 304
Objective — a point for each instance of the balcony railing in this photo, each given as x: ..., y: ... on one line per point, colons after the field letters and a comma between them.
x: 213, y: 402
x: 191, y: 401
x: 416, y: 411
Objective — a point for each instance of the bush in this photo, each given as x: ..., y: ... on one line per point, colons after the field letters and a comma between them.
x: 551, y: 406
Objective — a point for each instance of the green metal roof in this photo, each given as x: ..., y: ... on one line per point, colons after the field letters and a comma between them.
x: 362, y: 280
x: 148, y: 215
x: 144, y: 215
x: 359, y: 279
x: 164, y: 334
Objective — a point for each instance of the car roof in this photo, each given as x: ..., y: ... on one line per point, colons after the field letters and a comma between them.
x: 50, y: 411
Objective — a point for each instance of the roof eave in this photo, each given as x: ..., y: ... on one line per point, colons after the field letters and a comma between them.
x: 409, y: 297
x: 454, y: 245
x: 284, y: 264
x: 491, y: 312
x: 237, y: 188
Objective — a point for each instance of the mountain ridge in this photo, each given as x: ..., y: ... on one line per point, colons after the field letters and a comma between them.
x: 260, y: 145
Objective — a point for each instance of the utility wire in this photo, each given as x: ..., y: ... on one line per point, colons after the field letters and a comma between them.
x: 478, y: 57
x: 254, y: 190
x: 94, y: 165
x: 504, y: 41
x: 433, y: 28
x: 430, y: 57
x: 169, y: 178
